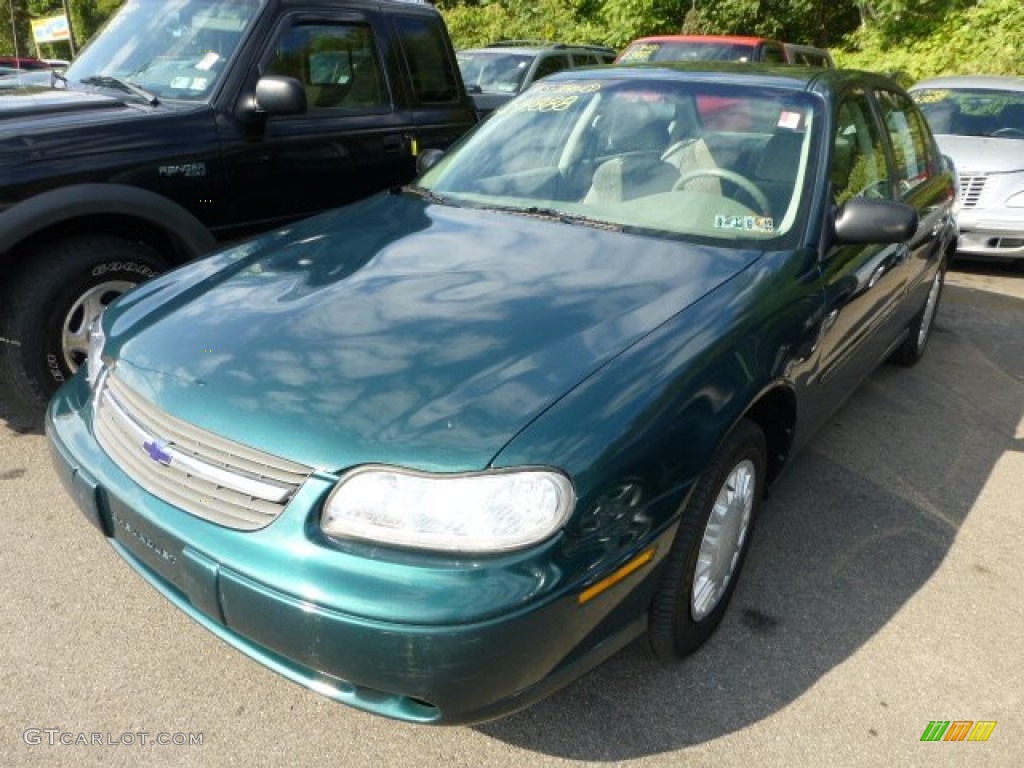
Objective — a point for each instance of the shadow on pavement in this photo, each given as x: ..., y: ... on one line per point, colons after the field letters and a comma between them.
x: 865, y: 516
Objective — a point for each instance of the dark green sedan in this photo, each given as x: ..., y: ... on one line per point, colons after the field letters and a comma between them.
x: 440, y: 452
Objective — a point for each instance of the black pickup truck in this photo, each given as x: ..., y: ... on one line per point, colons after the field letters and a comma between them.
x: 191, y: 123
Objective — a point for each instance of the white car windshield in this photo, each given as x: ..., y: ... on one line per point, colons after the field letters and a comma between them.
x: 679, y: 158
x: 171, y: 49
x: 493, y: 71
x: 973, y: 112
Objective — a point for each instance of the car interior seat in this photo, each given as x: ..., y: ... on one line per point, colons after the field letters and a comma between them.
x: 636, y: 139
x: 688, y: 151
x: 776, y: 169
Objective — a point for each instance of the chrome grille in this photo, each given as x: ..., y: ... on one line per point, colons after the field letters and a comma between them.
x: 195, y: 470
x: 971, y: 187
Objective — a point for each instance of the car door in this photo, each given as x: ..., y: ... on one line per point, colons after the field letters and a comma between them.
x: 354, y: 137
x: 863, y: 282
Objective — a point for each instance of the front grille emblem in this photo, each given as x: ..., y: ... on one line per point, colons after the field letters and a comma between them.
x: 157, y: 452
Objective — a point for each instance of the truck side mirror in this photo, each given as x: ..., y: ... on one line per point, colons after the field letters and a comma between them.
x: 278, y: 95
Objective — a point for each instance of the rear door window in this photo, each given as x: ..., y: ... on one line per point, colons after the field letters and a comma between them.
x: 912, y: 148
x: 431, y: 69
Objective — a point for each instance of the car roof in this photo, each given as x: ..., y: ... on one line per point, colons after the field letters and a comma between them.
x: 972, y: 81
x: 526, y: 46
x: 735, y: 39
x: 819, y: 80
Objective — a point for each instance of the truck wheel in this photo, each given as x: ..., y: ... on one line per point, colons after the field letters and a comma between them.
x: 707, y: 555
x: 47, y: 309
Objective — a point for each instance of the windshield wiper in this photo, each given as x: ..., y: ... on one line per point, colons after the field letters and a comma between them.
x: 110, y: 81
x: 556, y: 215
x: 427, y: 194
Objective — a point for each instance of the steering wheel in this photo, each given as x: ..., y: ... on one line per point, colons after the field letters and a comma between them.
x: 1014, y: 133
x: 724, y: 173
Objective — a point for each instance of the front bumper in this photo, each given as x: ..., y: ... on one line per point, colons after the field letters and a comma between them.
x: 996, y: 235
x: 391, y: 634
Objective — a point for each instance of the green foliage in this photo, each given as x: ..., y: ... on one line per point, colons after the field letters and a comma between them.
x: 986, y: 37
x: 86, y: 18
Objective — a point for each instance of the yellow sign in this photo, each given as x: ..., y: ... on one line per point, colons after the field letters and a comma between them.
x: 51, y: 30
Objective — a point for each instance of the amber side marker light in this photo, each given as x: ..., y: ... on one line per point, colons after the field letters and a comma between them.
x: 610, y: 581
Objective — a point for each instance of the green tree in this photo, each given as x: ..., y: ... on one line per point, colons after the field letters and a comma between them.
x: 86, y: 17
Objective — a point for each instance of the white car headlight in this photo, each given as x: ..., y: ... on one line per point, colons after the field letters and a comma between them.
x: 94, y: 359
x: 481, y: 512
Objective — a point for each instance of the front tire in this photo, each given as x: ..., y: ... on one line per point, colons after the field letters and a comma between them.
x: 710, y: 546
x: 920, y: 330
x: 48, y: 307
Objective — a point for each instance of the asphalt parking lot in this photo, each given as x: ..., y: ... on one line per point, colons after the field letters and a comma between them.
x: 884, y: 591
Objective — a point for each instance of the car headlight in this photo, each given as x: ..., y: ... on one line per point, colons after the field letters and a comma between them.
x: 483, y: 512
x: 94, y: 359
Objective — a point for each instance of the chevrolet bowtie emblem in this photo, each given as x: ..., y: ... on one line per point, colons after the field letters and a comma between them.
x: 157, y: 451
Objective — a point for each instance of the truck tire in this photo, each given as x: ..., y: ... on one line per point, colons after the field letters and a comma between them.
x: 46, y: 310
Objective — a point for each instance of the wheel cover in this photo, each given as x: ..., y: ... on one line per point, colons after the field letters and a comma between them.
x: 74, y: 331
x: 929, y: 311
x: 724, y: 537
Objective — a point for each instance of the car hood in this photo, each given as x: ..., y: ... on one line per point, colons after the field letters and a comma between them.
x: 397, y: 331
x: 981, y: 154
x: 39, y: 100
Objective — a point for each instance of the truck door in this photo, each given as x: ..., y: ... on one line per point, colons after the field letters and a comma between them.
x: 355, y: 138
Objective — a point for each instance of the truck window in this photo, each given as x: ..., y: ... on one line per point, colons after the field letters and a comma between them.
x: 430, y: 67
x: 337, y: 65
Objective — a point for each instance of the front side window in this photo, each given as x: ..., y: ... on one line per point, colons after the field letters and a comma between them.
x: 548, y: 65
x: 173, y: 49
x: 645, y: 156
x: 337, y: 65
x: 858, y: 167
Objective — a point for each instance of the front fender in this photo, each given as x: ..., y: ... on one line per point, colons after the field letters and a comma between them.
x: 36, y: 214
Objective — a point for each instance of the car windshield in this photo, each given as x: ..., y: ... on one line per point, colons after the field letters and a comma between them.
x: 493, y: 71
x: 973, y: 112
x: 688, y: 50
x: 700, y: 160
x: 172, y: 49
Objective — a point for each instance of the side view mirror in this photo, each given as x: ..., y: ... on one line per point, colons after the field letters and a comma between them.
x: 277, y: 95
x: 864, y: 220
x: 427, y: 159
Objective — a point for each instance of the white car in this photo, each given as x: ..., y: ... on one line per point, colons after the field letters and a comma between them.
x: 978, y: 122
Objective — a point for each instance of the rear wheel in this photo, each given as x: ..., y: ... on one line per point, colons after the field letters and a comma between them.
x: 48, y: 308
x: 710, y: 546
